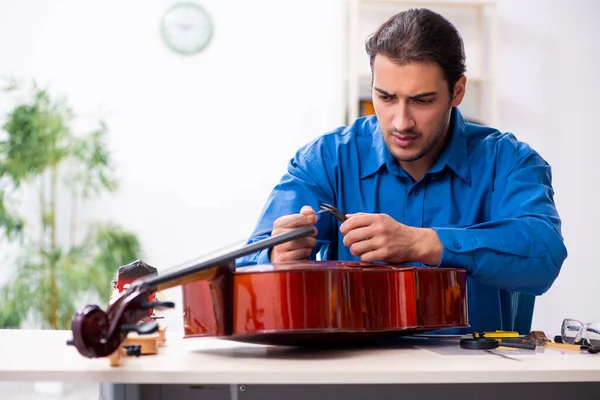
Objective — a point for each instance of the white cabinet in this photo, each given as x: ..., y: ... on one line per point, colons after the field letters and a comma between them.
x: 477, y: 23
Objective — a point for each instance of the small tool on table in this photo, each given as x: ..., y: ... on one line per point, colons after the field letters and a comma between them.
x: 485, y: 343
x: 489, y: 345
x: 540, y: 338
x: 497, y: 334
x: 489, y: 341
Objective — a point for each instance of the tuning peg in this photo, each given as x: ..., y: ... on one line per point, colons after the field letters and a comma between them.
x: 157, y: 305
x: 144, y: 328
x: 133, y: 350
x: 70, y: 342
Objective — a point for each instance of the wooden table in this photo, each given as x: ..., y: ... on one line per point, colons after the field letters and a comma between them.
x: 223, y: 369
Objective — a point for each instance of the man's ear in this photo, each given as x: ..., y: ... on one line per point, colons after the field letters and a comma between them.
x: 459, y: 91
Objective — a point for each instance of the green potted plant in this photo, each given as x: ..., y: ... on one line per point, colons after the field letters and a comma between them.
x: 45, y: 169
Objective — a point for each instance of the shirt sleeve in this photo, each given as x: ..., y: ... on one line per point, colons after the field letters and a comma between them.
x: 521, y: 248
x: 306, y: 182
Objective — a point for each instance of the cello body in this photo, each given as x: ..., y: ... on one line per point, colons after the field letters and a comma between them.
x: 311, y: 303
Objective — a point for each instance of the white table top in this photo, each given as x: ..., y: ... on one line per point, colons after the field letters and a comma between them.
x: 38, y: 355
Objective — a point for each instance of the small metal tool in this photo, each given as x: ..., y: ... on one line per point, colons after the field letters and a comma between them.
x: 333, y: 210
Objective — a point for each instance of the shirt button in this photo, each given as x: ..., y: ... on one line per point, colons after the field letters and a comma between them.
x: 415, y: 192
x: 457, y: 244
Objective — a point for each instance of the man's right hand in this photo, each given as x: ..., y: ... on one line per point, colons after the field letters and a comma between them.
x: 299, y: 249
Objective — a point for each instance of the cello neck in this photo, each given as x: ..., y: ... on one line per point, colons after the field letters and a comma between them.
x: 203, y: 270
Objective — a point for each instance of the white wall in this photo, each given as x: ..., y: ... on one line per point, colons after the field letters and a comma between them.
x: 549, y: 89
x: 199, y: 141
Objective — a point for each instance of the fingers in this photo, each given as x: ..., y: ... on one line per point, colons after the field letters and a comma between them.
x: 357, y: 235
x: 297, y: 249
x: 296, y: 255
x: 355, y: 221
x: 364, y: 246
x: 370, y: 251
x: 372, y: 256
x: 306, y: 217
x: 304, y: 243
x: 360, y: 236
x: 306, y: 210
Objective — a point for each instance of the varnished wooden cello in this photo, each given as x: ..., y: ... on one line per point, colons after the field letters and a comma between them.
x: 300, y: 303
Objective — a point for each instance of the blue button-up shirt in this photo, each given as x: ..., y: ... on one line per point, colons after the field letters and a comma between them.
x: 489, y: 198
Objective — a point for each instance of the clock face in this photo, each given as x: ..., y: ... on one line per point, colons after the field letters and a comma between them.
x: 186, y: 28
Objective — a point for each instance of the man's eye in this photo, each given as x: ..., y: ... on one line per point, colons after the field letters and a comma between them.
x: 423, y: 101
x: 384, y: 97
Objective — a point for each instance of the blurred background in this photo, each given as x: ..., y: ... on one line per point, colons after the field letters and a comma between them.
x: 155, y: 130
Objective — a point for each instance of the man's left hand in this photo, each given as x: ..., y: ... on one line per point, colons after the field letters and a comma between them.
x: 378, y: 237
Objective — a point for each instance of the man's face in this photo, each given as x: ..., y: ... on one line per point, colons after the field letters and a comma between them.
x: 413, y: 105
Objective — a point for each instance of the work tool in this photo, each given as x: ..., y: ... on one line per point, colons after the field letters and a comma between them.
x: 540, y: 339
x: 333, y: 210
x: 497, y: 334
x: 483, y: 343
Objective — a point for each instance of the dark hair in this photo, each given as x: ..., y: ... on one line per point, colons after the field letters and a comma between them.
x: 420, y: 35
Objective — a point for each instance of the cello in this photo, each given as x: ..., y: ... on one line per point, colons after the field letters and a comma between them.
x: 301, y: 303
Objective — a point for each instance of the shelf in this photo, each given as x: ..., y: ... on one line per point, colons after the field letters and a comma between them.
x: 425, y: 3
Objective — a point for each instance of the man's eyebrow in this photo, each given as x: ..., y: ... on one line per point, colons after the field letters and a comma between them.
x: 421, y: 95
x: 416, y: 96
x: 383, y: 92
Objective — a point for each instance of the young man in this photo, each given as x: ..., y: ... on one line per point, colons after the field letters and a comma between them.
x: 423, y: 186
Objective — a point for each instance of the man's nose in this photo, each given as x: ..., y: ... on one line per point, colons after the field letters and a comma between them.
x: 403, y: 120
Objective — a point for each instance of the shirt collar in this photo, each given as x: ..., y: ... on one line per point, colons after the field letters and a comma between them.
x: 454, y: 154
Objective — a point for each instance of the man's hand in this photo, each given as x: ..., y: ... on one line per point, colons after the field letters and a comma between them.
x: 298, y: 249
x: 378, y: 237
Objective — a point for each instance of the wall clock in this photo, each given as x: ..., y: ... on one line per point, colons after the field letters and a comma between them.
x: 186, y: 28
